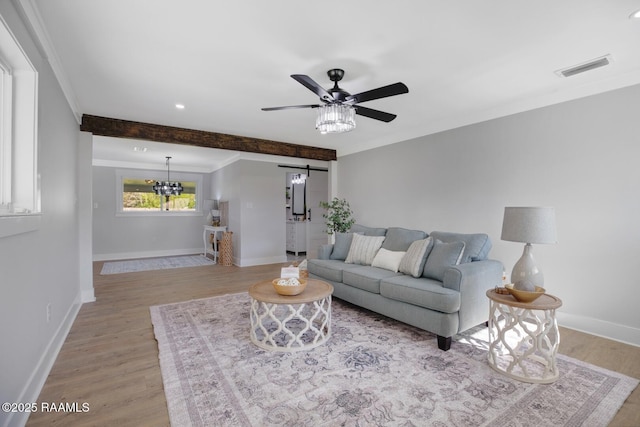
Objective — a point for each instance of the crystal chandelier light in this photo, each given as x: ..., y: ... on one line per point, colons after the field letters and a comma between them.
x: 167, y: 188
x: 336, y: 118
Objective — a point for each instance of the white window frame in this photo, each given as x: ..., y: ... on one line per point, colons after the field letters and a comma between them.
x: 6, y: 94
x: 19, y: 181
x: 122, y: 174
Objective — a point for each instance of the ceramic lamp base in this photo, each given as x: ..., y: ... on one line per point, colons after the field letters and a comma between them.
x: 526, y: 273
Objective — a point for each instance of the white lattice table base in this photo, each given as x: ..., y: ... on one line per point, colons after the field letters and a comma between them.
x: 290, y: 323
x: 524, y: 339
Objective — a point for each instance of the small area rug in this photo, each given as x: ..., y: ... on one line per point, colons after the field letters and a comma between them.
x: 373, y: 371
x: 147, y: 264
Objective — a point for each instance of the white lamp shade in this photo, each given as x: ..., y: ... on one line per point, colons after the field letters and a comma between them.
x: 529, y: 225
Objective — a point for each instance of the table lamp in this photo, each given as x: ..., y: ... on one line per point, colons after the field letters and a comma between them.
x: 528, y: 225
x: 208, y: 205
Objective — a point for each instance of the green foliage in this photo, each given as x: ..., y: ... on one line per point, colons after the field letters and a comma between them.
x: 339, y: 216
x: 132, y: 201
x: 140, y: 200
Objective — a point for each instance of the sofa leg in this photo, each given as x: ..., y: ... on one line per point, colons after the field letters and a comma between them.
x: 444, y: 343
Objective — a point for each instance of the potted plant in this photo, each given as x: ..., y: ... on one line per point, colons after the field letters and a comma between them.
x: 339, y: 216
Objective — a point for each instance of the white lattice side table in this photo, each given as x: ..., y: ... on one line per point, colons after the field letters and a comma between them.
x: 290, y: 323
x: 524, y: 337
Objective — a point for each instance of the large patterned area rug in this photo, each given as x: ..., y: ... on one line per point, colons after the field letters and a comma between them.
x: 147, y: 264
x: 373, y: 371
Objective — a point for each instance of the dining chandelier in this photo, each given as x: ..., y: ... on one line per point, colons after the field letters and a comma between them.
x: 167, y: 188
x: 336, y: 118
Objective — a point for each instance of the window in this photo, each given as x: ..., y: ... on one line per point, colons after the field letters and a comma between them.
x: 6, y: 91
x: 138, y: 196
x: 135, y: 195
x: 19, y: 189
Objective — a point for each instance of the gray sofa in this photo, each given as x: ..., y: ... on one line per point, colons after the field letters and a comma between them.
x: 436, y: 282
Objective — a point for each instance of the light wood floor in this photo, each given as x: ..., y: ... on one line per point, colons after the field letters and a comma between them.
x: 110, y: 357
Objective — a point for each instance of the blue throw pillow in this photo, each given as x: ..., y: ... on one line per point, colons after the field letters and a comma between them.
x: 442, y: 256
x: 341, y: 246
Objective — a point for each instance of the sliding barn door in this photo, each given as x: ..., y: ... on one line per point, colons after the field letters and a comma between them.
x: 317, y: 191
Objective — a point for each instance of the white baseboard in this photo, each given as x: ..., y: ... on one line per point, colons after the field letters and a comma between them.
x: 88, y: 296
x: 146, y: 254
x: 176, y: 252
x: 601, y: 328
x: 32, y: 390
x: 260, y: 261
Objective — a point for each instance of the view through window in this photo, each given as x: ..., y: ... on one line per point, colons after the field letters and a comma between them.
x: 138, y: 196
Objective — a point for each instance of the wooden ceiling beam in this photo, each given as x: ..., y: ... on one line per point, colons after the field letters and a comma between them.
x: 118, y: 128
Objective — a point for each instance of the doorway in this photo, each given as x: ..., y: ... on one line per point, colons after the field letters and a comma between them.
x: 305, y: 224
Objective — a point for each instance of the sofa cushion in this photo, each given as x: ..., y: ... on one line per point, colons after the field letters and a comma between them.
x: 389, y: 260
x: 442, y: 256
x: 423, y: 292
x: 363, y: 249
x: 328, y: 269
x: 399, y: 239
x: 477, y: 246
x: 341, y: 246
x: 414, y: 259
x: 366, y: 278
x: 368, y: 231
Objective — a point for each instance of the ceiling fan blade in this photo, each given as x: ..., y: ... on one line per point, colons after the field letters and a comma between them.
x: 289, y: 107
x: 314, y: 87
x: 381, y: 92
x: 374, y: 114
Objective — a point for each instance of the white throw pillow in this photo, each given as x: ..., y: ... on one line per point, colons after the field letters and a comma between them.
x: 413, y: 261
x: 389, y: 260
x: 363, y: 249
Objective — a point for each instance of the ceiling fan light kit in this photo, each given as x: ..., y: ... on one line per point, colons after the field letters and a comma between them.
x: 336, y: 118
x: 337, y: 112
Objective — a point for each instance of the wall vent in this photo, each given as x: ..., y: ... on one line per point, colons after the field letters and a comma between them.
x: 586, y: 66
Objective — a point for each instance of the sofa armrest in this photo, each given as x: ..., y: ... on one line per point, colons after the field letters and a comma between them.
x: 473, y: 280
x: 324, y: 252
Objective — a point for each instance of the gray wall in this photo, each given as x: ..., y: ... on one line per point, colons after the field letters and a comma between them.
x: 580, y: 157
x: 257, y: 216
x: 40, y: 267
x: 119, y: 237
x: 255, y: 192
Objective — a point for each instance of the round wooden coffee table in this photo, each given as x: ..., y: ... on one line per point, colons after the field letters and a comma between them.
x: 290, y: 323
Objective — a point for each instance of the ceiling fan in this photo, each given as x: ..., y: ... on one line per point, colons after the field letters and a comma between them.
x: 340, y: 104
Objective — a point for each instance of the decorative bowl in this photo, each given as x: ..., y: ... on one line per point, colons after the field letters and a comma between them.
x: 525, y: 296
x: 289, y: 290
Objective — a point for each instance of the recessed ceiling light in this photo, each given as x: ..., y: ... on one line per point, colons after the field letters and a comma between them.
x: 140, y: 149
x: 180, y: 106
x: 635, y: 15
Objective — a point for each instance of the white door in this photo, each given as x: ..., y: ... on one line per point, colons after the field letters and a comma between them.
x: 317, y: 191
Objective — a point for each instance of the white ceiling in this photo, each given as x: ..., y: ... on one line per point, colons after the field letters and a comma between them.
x: 463, y: 61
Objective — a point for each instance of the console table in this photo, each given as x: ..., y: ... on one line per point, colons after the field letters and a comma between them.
x: 209, y: 229
x: 524, y: 337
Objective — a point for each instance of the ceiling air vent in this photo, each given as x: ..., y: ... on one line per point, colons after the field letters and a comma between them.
x: 587, y: 66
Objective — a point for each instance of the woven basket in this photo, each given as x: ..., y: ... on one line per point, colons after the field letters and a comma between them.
x: 289, y: 290
x: 226, y: 249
